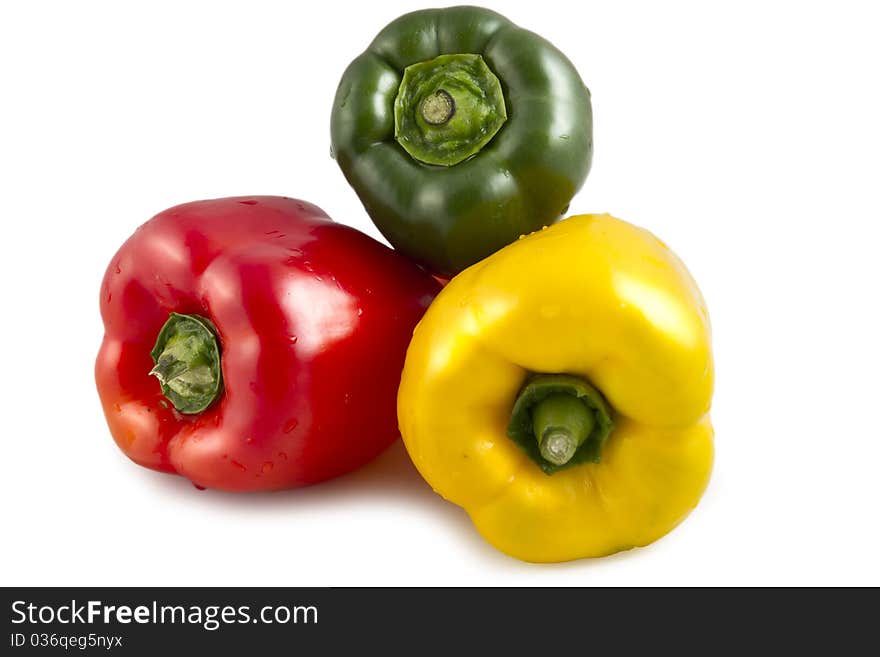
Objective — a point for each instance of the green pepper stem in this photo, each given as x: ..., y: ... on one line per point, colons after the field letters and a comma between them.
x: 438, y: 108
x: 187, y: 362
x: 561, y: 424
x: 448, y: 108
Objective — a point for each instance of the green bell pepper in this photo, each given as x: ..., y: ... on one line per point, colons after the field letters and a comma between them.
x: 460, y: 131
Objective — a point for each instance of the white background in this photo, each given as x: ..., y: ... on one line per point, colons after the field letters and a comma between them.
x: 744, y: 134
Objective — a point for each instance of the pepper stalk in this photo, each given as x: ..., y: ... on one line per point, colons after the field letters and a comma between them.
x: 560, y: 420
x: 448, y: 108
x: 187, y: 362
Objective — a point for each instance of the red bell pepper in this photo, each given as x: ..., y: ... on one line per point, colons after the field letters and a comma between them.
x: 253, y: 344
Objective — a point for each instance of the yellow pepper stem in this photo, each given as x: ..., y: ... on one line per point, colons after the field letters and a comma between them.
x: 561, y: 424
x: 560, y: 420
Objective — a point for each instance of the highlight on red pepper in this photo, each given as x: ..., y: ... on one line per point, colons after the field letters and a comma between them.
x: 251, y: 343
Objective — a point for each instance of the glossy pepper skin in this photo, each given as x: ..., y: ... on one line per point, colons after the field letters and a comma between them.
x: 312, y: 320
x: 595, y: 299
x: 449, y: 217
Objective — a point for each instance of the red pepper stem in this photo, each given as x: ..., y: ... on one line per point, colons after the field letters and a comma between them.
x: 169, y: 368
x: 187, y: 362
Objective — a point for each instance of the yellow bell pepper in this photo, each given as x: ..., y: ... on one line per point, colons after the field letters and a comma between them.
x: 559, y: 391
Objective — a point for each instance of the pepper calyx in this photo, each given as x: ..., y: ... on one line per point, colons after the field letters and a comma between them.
x: 448, y: 108
x: 186, y: 360
x: 560, y: 420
